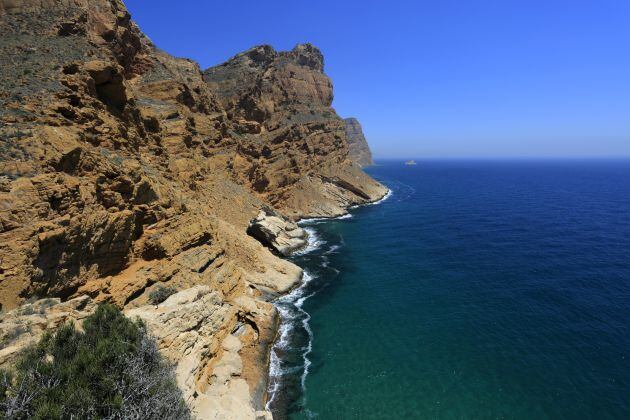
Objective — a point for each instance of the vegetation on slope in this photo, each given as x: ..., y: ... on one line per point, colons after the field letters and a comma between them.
x: 110, y: 370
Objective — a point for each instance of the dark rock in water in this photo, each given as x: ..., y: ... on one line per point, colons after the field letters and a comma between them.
x: 359, y: 149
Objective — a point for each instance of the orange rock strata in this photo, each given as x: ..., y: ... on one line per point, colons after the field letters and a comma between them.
x: 123, y: 168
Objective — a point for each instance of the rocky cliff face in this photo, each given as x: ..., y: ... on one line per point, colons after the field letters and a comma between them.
x: 358, y: 149
x: 123, y: 168
x: 293, y: 149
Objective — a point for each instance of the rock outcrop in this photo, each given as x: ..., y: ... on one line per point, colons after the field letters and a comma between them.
x: 293, y: 147
x: 277, y: 233
x: 123, y: 168
x: 358, y: 149
x: 193, y: 329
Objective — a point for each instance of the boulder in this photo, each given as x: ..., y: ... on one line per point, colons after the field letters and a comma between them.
x: 277, y: 233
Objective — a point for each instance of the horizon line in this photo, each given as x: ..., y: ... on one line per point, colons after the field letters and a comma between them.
x: 507, y: 157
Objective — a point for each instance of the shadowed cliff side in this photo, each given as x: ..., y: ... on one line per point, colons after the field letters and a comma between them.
x: 359, y: 150
x: 123, y: 169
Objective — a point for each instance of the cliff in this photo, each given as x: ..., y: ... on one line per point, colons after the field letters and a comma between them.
x: 358, y: 149
x: 124, y: 169
x: 294, y: 149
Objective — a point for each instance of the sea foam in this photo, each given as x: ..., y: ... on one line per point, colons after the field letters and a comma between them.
x: 314, y: 242
x: 290, y: 310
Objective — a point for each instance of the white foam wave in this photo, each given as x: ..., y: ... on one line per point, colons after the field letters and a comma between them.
x: 318, y: 220
x: 389, y: 193
x: 309, y: 349
x: 385, y: 197
x: 290, y: 307
x: 310, y: 414
x: 325, y: 261
x: 300, y: 302
x: 312, y: 221
x: 332, y: 249
x: 314, y: 242
x: 274, y: 372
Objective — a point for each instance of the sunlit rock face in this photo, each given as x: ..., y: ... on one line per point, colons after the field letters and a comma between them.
x: 124, y: 169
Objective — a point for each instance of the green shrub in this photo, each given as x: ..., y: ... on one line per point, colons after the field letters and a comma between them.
x: 111, y: 370
x: 160, y: 294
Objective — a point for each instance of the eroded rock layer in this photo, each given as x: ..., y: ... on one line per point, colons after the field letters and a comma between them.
x: 124, y: 169
x: 294, y: 148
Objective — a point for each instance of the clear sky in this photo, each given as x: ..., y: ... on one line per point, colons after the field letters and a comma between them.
x: 440, y: 78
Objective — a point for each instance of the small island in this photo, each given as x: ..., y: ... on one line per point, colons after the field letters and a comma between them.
x: 411, y: 162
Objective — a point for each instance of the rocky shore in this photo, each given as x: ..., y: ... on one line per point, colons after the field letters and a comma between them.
x: 124, y: 170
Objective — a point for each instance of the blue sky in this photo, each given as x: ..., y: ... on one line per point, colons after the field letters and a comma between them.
x: 439, y: 79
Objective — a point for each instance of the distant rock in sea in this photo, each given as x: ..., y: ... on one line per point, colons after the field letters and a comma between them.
x: 359, y: 149
x: 411, y: 162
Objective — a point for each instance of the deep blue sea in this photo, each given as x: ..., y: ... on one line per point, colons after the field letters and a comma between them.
x: 477, y: 290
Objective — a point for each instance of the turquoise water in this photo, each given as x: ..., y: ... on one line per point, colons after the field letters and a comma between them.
x: 477, y: 290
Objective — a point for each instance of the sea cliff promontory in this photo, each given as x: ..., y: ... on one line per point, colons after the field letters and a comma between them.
x: 124, y: 170
x: 358, y: 148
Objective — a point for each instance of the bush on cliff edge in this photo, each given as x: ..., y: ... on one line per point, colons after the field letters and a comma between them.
x: 111, y: 370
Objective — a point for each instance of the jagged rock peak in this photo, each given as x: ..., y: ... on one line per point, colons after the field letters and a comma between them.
x: 258, y: 83
x: 306, y: 55
x: 258, y: 56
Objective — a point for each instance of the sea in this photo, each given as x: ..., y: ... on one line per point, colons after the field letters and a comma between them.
x: 477, y: 289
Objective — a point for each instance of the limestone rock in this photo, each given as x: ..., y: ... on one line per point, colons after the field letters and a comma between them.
x: 277, y: 233
x: 123, y: 169
x: 198, y: 329
x: 300, y: 138
x: 204, y: 335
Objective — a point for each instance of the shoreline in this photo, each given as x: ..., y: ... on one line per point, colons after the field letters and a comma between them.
x: 269, y: 395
